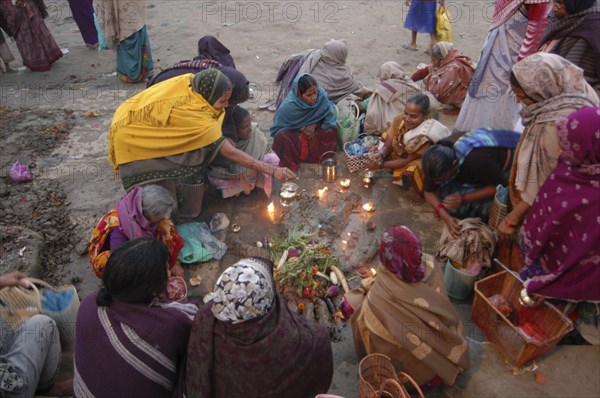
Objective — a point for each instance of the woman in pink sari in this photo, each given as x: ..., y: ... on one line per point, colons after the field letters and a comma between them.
x: 559, y: 238
x: 25, y: 19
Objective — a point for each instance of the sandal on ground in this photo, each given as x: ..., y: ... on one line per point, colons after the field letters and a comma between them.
x: 407, y: 46
x: 272, y: 108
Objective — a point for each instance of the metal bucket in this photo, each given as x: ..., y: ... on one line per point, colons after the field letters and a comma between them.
x: 329, y: 167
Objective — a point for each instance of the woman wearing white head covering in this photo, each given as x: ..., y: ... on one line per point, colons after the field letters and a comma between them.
x: 388, y: 98
x: 246, y: 342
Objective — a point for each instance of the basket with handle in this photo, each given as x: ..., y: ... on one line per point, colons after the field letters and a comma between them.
x: 65, y: 315
x: 18, y: 304
x: 357, y: 162
x: 498, y: 213
x: 378, y: 379
x: 514, y: 344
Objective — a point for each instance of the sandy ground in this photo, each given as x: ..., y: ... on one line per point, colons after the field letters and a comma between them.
x: 46, y: 127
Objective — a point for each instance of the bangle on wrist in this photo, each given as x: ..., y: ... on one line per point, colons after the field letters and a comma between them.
x: 438, y: 208
x: 508, y: 224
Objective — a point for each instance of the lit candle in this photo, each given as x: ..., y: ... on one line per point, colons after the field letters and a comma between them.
x: 271, y: 211
x: 369, y: 206
x: 345, y: 183
x: 367, y: 179
x: 373, y: 272
x: 322, y: 192
x: 344, y: 244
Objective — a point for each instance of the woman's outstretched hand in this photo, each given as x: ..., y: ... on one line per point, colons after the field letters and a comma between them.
x: 284, y: 174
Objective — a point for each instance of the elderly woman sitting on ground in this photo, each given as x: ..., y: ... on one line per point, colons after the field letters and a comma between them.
x: 388, y: 99
x: 404, y: 312
x: 230, y: 177
x: 143, y: 211
x: 246, y: 342
x: 410, y: 135
x: 448, y: 76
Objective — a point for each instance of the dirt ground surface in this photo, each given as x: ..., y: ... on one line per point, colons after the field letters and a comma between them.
x: 57, y: 123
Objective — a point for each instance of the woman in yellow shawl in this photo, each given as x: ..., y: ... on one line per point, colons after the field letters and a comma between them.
x: 410, y: 135
x: 172, y: 131
x: 404, y: 312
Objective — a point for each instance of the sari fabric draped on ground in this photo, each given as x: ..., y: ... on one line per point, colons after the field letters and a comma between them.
x: 560, y: 235
x: 278, y: 355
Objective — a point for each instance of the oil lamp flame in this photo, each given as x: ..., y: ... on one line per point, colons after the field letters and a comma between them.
x: 345, y: 183
x: 322, y: 192
x: 271, y: 211
x: 369, y: 206
x: 373, y: 271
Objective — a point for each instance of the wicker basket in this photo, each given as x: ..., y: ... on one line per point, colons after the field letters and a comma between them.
x: 355, y: 162
x: 377, y: 378
x: 517, y: 347
x: 498, y: 213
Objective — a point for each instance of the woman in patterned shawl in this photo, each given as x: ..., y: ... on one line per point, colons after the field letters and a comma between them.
x: 448, y: 76
x: 143, y: 211
x: 130, y: 341
x: 404, y: 313
x: 246, y: 342
x: 550, y: 87
x: 560, y: 235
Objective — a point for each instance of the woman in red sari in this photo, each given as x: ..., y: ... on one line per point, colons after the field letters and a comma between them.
x: 25, y: 19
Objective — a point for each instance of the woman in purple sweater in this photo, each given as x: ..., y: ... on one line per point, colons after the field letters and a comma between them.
x: 129, y: 341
